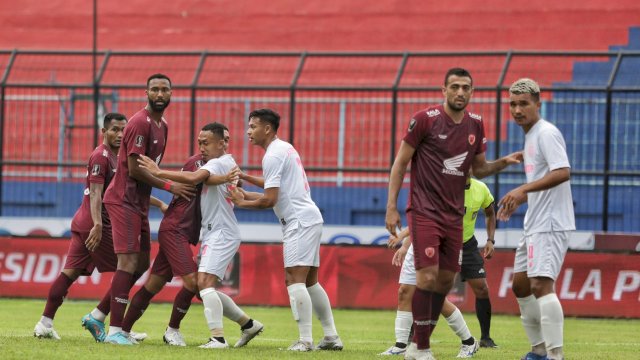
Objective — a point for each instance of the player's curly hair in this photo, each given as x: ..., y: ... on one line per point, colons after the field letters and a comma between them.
x: 525, y: 86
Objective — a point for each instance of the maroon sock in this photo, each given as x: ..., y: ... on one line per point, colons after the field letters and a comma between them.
x: 57, y: 292
x: 120, y: 287
x: 138, y: 305
x: 421, y: 309
x: 181, y: 305
x: 437, y: 301
x: 105, y: 304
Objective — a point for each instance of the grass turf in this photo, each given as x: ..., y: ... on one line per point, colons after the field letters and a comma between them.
x: 365, y: 333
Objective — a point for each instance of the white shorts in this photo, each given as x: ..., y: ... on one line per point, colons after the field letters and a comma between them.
x: 301, y: 245
x: 542, y: 254
x: 216, y: 253
x: 408, y: 272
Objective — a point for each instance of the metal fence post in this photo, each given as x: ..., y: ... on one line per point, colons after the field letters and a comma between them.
x: 394, y: 106
x: 292, y: 96
x: 498, y: 134
x: 3, y: 83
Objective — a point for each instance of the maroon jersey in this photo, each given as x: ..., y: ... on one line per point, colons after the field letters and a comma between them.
x: 100, y: 169
x: 142, y: 136
x: 441, y: 162
x: 184, y: 216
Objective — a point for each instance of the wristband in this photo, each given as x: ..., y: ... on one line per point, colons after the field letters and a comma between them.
x: 491, y: 241
x: 167, y: 185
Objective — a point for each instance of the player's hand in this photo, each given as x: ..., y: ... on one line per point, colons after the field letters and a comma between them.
x: 488, y: 250
x: 237, y: 195
x: 514, y: 158
x: 393, y: 241
x: 184, y: 191
x: 233, y: 176
x: 510, y: 202
x: 392, y: 221
x: 94, y: 238
x: 148, y: 164
x: 399, y: 256
x: 163, y: 207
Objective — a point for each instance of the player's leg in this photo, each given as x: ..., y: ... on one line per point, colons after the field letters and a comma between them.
x: 127, y: 238
x: 296, y: 272
x: 44, y: 328
x: 404, y: 317
x: 141, y: 300
x: 456, y: 322
x: 548, y: 253
x: 213, y: 310
x: 309, y: 239
x: 249, y: 327
x: 529, y: 308
x: 473, y: 272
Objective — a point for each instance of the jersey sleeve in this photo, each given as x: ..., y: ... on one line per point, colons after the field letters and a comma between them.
x: 554, y: 149
x: 98, y: 167
x: 272, y: 168
x: 136, y: 138
x: 418, y: 129
x: 487, y: 198
x: 482, y: 146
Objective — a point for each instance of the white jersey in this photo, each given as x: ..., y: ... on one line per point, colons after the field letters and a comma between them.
x: 216, y: 207
x: 551, y: 209
x: 282, y: 168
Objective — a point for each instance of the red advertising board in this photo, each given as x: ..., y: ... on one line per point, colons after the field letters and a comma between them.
x: 590, y: 284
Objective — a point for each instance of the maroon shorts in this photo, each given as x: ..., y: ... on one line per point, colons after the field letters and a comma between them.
x: 435, y: 244
x: 175, y: 257
x: 130, y: 230
x: 78, y: 257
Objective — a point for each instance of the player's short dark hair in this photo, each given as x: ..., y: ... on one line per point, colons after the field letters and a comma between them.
x: 110, y: 117
x: 216, y: 129
x: 267, y: 115
x: 158, y: 76
x: 457, y: 72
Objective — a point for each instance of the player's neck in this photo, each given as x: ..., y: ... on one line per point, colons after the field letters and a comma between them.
x: 269, y: 141
x: 156, y: 116
x: 114, y: 150
x: 530, y: 126
x: 455, y: 115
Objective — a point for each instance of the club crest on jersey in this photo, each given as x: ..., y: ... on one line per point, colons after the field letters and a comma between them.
x: 95, y: 170
x: 430, y: 251
x: 472, y: 139
x: 412, y: 124
x: 139, y: 140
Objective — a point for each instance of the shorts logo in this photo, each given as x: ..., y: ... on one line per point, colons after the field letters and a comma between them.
x: 95, y: 170
x: 283, y: 222
x: 139, y: 140
x: 412, y: 124
x: 460, y: 258
x: 430, y: 251
x: 472, y: 139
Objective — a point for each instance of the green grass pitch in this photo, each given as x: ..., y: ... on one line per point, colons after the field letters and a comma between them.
x: 365, y: 333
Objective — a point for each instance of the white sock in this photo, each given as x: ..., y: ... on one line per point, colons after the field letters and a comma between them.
x: 301, y: 309
x: 46, y: 321
x: 212, y: 308
x: 98, y: 315
x: 551, y: 321
x: 114, y: 330
x: 229, y: 308
x: 169, y: 330
x: 530, y: 316
x: 458, y: 325
x: 322, y: 308
x: 404, y: 320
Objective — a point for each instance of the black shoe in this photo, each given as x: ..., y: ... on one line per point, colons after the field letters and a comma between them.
x: 488, y: 343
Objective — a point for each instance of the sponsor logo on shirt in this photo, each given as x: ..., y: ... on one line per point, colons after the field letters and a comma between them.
x: 139, y: 140
x: 95, y: 170
x: 442, y: 136
x: 412, y: 124
x: 432, y: 113
x: 484, y: 140
x: 475, y: 116
x: 452, y: 164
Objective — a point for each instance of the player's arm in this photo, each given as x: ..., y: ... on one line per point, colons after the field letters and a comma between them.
x: 154, y: 201
x: 483, y: 168
x: 250, y: 195
x: 95, y: 204
x: 514, y: 198
x: 401, y: 253
x: 490, y: 224
x: 185, y: 177
x: 229, y: 177
x: 255, y: 180
x: 399, y: 168
x: 264, y: 201
x: 402, y: 237
x: 139, y: 173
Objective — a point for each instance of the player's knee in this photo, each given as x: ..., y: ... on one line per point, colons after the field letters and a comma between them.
x: 541, y: 287
x: 520, y: 290
x: 189, y: 282
x: 405, y: 294
x: 481, y: 290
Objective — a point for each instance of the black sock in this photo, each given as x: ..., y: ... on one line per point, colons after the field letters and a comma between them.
x: 219, y: 338
x: 400, y: 345
x: 248, y: 325
x: 483, y: 312
x: 469, y: 341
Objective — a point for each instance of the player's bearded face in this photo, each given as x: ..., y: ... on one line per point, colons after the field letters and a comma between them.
x: 159, y: 94
x: 458, y: 92
x: 158, y: 105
